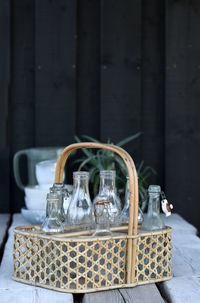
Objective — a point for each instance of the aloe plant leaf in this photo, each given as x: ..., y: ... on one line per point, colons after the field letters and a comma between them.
x: 139, y: 167
x: 96, y: 185
x: 90, y: 138
x: 78, y: 160
x: 93, y: 171
x: 128, y: 139
x: 149, y: 168
x: 121, y: 164
x: 77, y: 139
x: 87, y: 152
x: 89, y: 159
x: 100, y: 167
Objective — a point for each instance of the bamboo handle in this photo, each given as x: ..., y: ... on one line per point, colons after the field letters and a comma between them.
x: 133, y: 193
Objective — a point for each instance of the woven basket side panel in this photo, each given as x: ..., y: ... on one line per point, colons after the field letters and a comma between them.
x: 70, y: 265
x: 154, y: 257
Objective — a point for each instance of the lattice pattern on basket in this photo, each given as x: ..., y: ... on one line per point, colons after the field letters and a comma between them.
x: 154, y: 257
x: 70, y: 264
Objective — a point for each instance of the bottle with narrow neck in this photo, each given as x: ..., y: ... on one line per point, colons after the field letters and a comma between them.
x: 58, y: 188
x: 52, y: 223
x: 108, y: 192
x: 125, y: 210
x: 153, y: 220
x: 80, y: 208
x: 102, y: 219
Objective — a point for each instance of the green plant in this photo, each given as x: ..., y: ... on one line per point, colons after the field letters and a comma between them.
x: 102, y: 159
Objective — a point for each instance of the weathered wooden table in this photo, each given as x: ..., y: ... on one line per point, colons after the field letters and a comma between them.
x: 184, y: 287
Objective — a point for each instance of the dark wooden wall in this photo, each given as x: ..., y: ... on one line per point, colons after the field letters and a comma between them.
x: 106, y: 68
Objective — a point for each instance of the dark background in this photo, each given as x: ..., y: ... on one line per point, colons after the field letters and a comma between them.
x: 106, y: 69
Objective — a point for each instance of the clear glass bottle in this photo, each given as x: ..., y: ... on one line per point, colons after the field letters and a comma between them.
x: 102, y: 219
x: 52, y: 222
x: 67, y: 196
x: 108, y: 192
x: 125, y: 210
x: 80, y: 208
x: 153, y: 220
x: 58, y: 188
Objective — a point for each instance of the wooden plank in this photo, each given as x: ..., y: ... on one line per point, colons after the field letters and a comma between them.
x: 182, y: 105
x: 22, y: 76
x: 5, y: 180
x: 184, y: 287
x: 120, y: 70
x: 88, y: 68
x: 179, y: 224
x: 152, y: 88
x: 103, y: 296
x: 4, y: 220
x: 12, y: 291
x: 142, y: 294
x: 139, y: 294
x: 21, y: 107
x: 55, y: 64
x: 186, y: 247
x: 186, y: 258
x: 4, y: 96
x: 4, y: 70
x: 181, y: 289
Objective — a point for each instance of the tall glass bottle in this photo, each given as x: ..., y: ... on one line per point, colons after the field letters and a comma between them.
x: 153, y: 220
x: 108, y: 192
x: 102, y: 219
x: 52, y: 222
x: 58, y: 188
x: 80, y: 208
x: 125, y: 210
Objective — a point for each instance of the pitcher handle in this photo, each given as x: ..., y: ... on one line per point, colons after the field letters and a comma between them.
x: 16, y: 169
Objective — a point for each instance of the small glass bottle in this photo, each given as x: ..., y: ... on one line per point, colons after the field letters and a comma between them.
x: 101, y: 214
x: 58, y: 188
x: 108, y: 192
x: 80, y: 208
x: 67, y: 196
x: 153, y: 220
x: 52, y: 222
x: 125, y: 210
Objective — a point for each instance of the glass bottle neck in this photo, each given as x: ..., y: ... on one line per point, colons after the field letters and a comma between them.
x: 154, y: 203
x: 81, y: 183
x: 52, y: 209
x: 107, y: 184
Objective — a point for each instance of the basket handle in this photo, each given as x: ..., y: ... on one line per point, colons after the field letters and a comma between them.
x: 133, y: 193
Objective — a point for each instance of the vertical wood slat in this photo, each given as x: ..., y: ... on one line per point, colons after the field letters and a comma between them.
x: 183, y: 107
x: 88, y: 68
x: 4, y: 70
x: 22, y: 80
x: 55, y: 68
x: 4, y: 80
x: 120, y: 70
x: 21, y: 107
x: 152, y: 87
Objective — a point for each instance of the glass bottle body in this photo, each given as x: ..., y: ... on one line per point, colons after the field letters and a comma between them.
x: 58, y: 188
x: 125, y: 210
x: 108, y: 192
x: 153, y: 220
x: 52, y: 222
x: 67, y: 196
x: 102, y: 218
x: 80, y: 209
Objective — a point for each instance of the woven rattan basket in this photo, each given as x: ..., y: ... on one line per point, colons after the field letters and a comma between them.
x: 78, y: 263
